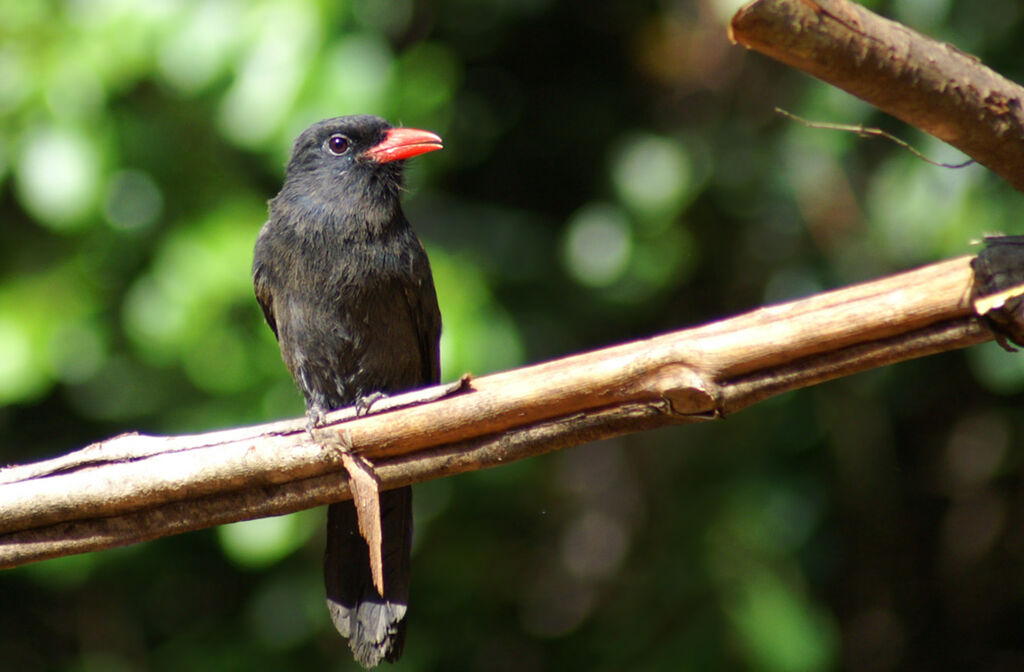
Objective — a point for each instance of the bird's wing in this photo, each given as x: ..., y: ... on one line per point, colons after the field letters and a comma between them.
x: 427, y: 319
x: 263, y: 293
x: 421, y: 298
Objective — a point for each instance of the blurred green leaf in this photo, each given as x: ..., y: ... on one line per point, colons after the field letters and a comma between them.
x: 779, y: 630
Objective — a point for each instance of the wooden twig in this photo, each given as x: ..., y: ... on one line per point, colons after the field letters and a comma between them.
x: 930, y: 84
x: 133, y: 487
x: 867, y: 132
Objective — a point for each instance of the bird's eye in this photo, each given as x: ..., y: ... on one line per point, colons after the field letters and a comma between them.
x: 337, y: 144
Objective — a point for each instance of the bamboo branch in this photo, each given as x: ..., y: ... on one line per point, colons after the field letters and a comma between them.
x: 930, y: 84
x: 133, y: 487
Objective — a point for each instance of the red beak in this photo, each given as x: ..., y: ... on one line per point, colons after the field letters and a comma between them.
x: 403, y: 143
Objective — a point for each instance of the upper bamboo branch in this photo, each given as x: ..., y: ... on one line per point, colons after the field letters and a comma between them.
x: 134, y: 487
x: 927, y: 83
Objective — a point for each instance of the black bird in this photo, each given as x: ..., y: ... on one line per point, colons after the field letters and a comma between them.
x: 346, y: 287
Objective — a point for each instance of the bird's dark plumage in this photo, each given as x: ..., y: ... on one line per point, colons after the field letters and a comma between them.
x: 346, y: 287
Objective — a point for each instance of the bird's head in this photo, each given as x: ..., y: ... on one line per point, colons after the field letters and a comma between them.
x: 354, y: 164
x: 356, y: 148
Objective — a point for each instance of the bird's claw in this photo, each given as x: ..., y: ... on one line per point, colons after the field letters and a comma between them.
x: 364, y: 403
x: 315, y: 418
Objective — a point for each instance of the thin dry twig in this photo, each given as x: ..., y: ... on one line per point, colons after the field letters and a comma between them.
x: 868, y: 132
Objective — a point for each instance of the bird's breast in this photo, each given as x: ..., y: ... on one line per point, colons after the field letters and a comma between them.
x: 356, y: 333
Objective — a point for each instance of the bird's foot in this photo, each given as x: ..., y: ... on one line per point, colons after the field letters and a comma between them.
x: 315, y: 418
x: 364, y: 403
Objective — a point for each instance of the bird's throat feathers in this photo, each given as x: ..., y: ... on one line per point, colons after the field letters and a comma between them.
x: 341, y: 208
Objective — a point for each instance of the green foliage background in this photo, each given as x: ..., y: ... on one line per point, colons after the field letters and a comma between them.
x: 612, y: 170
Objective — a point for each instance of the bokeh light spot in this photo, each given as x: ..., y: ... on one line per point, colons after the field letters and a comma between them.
x: 77, y: 351
x: 598, y: 244
x: 133, y: 200
x: 652, y: 174
x: 270, y: 75
x: 199, y: 50
x: 359, y: 70
x: 58, y: 176
x: 594, y: 546
x: 264, y: 541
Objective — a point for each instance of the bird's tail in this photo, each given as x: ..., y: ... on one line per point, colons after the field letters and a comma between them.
x: 373, y: 624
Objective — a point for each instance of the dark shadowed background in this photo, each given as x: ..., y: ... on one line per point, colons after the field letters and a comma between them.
x: 612, y: 170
